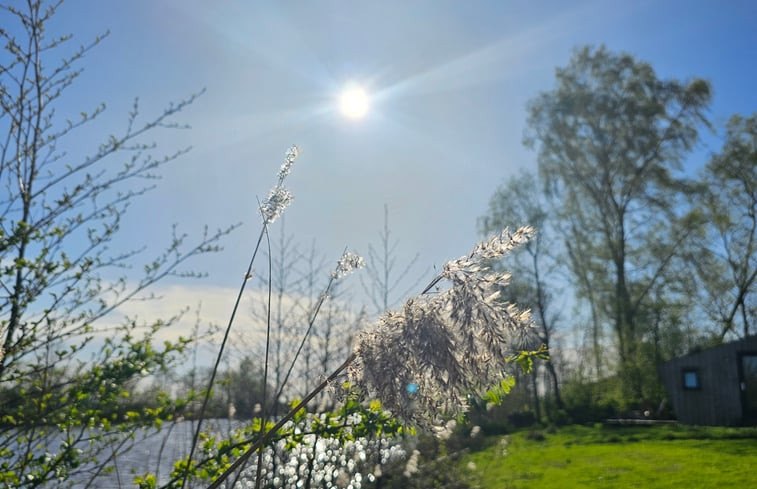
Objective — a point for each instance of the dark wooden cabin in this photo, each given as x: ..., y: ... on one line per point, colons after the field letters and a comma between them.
x: 716, y: 386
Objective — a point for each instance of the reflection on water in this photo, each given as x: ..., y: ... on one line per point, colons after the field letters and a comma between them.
x: 323, y: 462
x: 155, y: 452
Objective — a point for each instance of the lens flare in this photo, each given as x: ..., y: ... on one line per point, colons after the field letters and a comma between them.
x: 354, y: 102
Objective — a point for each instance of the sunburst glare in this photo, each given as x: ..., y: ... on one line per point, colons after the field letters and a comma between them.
x: 354, y: 102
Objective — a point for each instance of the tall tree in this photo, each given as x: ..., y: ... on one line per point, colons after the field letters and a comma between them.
x: 728, y: 265
x: 519, y: 202
x: 610, y: 137
x: 58, y: 219
x: 246, y: 387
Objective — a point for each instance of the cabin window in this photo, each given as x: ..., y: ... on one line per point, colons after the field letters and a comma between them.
x: 691, y: 379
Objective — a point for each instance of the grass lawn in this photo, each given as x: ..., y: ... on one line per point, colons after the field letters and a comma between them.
x: 619, y: 456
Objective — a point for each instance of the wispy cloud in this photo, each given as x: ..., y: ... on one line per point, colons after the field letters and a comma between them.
x: 204, y: 308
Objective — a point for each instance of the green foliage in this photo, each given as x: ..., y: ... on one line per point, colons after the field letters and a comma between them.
x: 352, y: 421
x: 245, y: 388
x: 604, y: 456
x: 592, y: 401
x: 74, y: 419
x: 611, y: 137
x: 525, y: 358
x: 726, y: 258
x: 66, y: 372
x: 496, y: 394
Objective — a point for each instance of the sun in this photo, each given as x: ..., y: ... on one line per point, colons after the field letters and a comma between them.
x: 354, y: 102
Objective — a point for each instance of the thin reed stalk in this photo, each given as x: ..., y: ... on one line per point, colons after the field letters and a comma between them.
x: 267, y: 435
x: 278, y: 199
x: 427, y: 358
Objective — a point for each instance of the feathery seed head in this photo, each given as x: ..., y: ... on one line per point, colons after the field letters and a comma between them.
x: 447, y: 345
x: 496, y: 247
x: 274, y: 205
x: 347, y: 264
x: 286, y: 166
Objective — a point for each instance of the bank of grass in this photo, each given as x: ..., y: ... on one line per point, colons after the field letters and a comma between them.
x: 618, y: 456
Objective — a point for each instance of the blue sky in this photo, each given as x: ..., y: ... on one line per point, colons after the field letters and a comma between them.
x: 451, y: 81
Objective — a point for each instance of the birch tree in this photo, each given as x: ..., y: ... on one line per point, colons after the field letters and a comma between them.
x: 611, y: 137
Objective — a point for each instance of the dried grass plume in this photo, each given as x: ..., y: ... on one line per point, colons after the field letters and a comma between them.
x: 425, y: 359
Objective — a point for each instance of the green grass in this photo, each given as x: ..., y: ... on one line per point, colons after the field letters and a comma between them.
x: 628, y: 456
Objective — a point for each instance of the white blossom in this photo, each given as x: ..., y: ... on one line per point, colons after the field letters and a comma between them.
x: 411, y: 467
x: 325, y: 461
x: 445, y: 431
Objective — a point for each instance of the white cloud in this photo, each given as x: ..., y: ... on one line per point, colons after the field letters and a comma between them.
x: 210, y: 306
